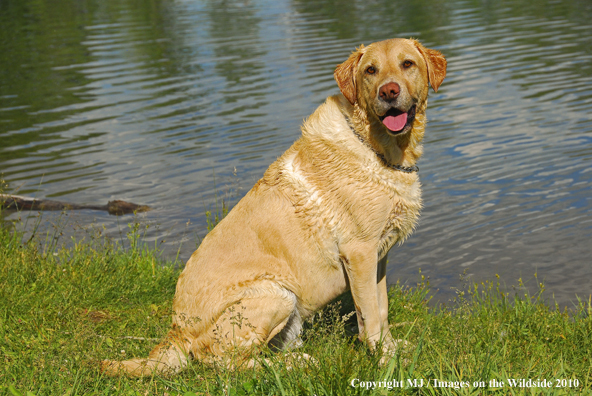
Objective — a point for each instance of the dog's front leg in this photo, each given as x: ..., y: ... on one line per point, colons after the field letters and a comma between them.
x: 361, y: 264
x: 383, y: 296
x: 388, y: 343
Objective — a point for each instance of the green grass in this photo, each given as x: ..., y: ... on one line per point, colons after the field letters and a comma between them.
x: 62, y: 313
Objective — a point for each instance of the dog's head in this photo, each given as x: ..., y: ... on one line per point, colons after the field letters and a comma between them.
x: 389, y: 80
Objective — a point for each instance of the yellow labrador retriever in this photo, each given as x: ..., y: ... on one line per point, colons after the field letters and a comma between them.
x: 319, y: 222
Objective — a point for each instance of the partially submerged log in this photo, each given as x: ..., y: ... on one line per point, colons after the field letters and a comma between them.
x: 17, y: 202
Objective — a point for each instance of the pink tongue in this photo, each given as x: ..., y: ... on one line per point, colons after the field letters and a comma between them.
x: 397, y: 123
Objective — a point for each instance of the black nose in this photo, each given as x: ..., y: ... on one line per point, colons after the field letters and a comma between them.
x: 389, y: 92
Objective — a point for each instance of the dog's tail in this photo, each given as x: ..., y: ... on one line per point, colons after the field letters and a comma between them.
x: 169, y: 357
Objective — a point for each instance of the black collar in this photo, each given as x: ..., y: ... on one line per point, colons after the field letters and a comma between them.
x: 406, y: 169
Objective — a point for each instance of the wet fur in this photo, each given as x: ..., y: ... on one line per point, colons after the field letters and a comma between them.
x: 320, y: 222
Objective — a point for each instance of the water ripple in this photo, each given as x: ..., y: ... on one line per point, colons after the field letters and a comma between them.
x: 164, y: 107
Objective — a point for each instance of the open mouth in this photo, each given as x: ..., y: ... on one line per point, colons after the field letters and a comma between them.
x: 397, y: 121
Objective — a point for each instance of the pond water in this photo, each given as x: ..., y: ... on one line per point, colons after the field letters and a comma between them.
x: 182, y: 104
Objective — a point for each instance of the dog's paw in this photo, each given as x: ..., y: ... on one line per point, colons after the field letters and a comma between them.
x: 403, y: 346
x: 297, y: 359
x: 291, y: 360
x: 396, y: 347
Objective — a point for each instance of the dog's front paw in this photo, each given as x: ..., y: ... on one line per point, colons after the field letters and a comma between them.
x: 394, y: 347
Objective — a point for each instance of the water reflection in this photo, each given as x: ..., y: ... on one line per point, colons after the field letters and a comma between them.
x: 161, y: 103
x: 373, y: 20
x: 31, y: 80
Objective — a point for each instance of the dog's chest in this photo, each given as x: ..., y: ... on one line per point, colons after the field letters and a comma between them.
x: 401, y: 219
x: 367, y: 201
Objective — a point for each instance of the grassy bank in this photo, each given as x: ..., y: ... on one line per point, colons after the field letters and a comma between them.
x: 60, y: 313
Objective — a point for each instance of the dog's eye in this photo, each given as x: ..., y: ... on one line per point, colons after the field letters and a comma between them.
x: 370, y: 70
x: 407, y: 64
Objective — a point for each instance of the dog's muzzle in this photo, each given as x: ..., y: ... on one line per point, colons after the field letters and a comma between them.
x: 397, y: 121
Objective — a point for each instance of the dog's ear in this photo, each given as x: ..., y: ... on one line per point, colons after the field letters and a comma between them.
x: 436, y: 65
x: 345, y: 75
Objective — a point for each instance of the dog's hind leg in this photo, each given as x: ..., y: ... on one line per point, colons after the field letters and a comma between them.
x: 264, y: 313
x: 259, y: 314
x: 289, y: 336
